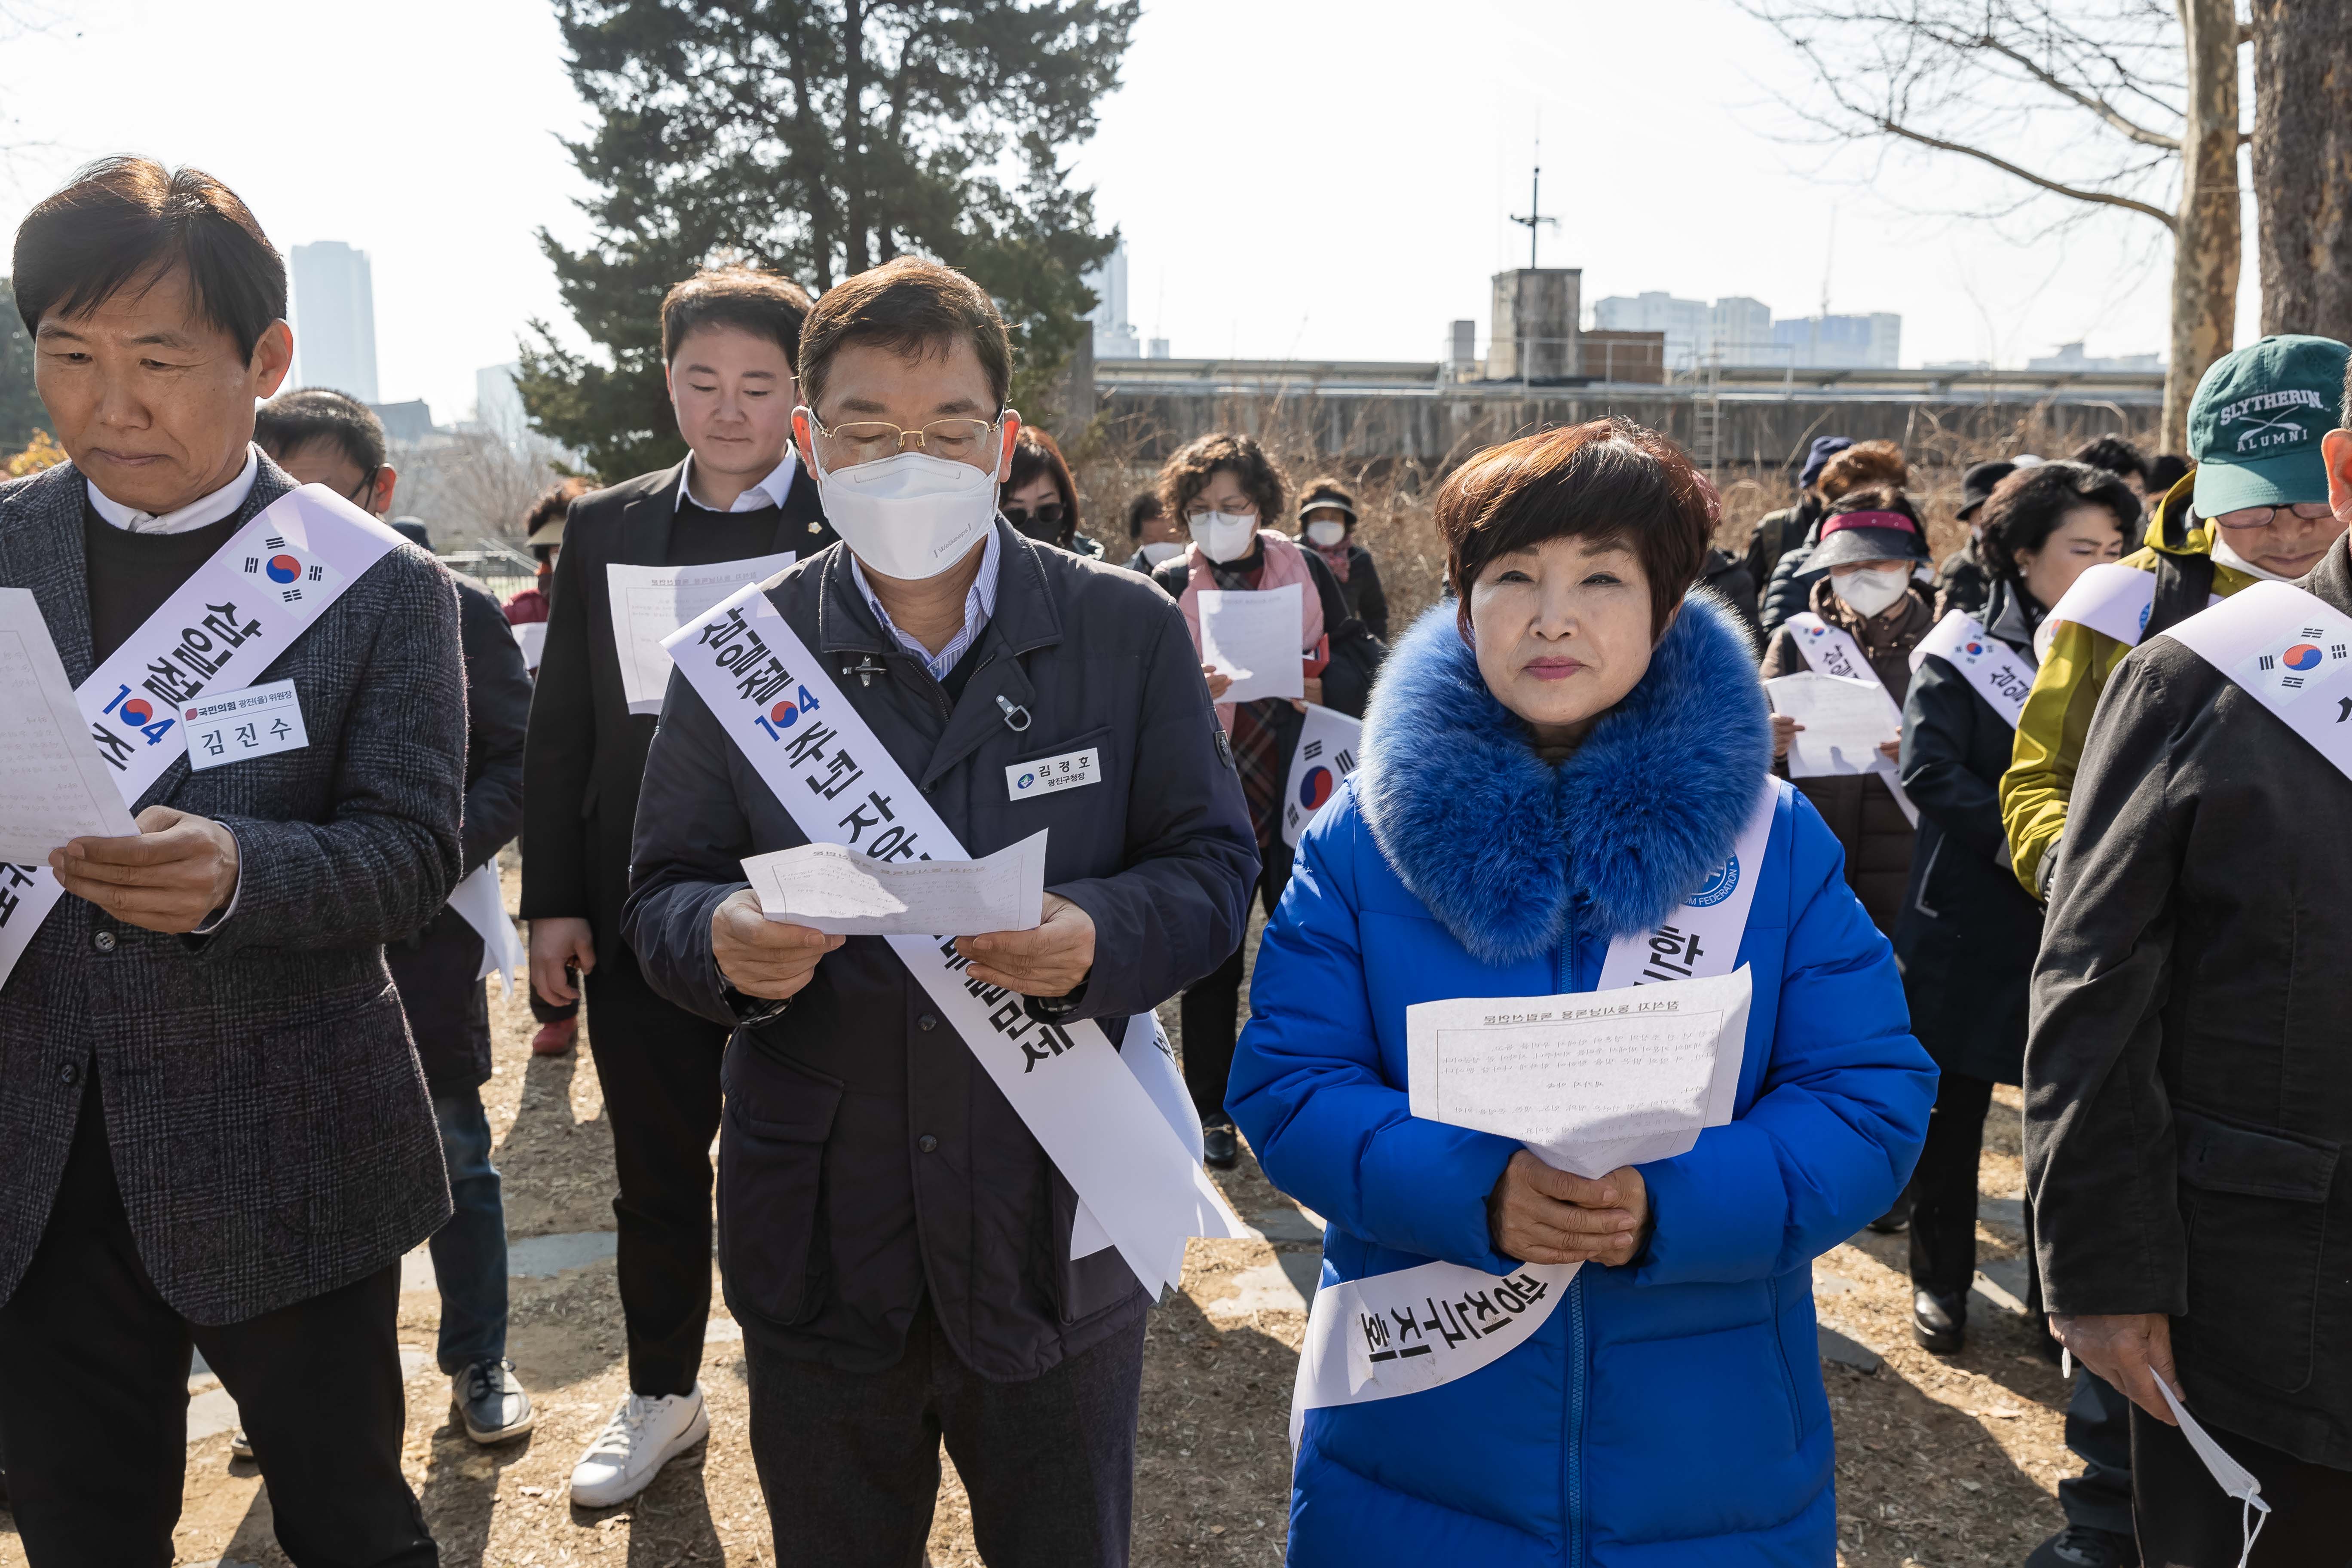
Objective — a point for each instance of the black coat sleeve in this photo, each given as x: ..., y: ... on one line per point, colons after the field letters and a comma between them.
x: 497, y: 712
x: 1356, y: 654
x: 2100, y: 1159
x: 1939, y: 730
x: 560, y: 751
x: 1179, y: 905
x: 1788, y: 591
x: 1371, y: 598
x: 691, y: 837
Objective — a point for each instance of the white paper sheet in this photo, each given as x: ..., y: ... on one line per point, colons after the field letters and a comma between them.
x: 532, y: 637
x: 834, y: 889
x: 1254, y: 638
x: 54, y: 784
x: 651, y: 602
x: 1844, y: 723
x: 1588, y: 1081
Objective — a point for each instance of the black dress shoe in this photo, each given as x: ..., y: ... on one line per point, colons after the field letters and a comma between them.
x: 1219, y: 1148
x: 1940, y: 1322
x: 1896, y: 1220
x: 2080, y: 1546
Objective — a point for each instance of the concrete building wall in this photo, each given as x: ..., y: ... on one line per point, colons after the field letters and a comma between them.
x: 1534, y: 324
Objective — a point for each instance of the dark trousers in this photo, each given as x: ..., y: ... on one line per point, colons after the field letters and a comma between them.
x: 1209, y: 1013
x: 469, y: 1253
x: 849, y: 1462
x: 658, y: 1065
x: 1943, y: 1260
x: 2184, y: 1518
x: 94, y: 1399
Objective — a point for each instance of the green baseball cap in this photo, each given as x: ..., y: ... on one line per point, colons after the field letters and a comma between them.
x: 2255, y: 423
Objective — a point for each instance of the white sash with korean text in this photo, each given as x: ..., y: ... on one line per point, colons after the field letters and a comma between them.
x: 1419, y: 1328
x: 2000, y: 675
x: 2289, y: 650
x: 1830, y: 651
x: 221, y: 630
x: 2110, y: 598
x: 1138, y: 1183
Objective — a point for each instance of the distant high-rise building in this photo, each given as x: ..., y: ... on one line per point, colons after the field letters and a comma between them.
x: 1739, y: 330
x: 334, y: 318
x: 498, y: 406
x: 1114, y: 333
x: 1840, y: 342
x: 1685, y: 323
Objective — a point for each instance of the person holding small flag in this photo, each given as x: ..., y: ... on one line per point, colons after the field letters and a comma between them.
x: 1565, y: 793
x: 2187, y: 1090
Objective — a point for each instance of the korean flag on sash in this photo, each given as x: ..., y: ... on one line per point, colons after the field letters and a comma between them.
x: 292, y: 577
x: 2289, y: 665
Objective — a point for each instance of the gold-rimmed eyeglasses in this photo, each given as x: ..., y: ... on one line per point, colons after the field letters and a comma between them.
x: 846, y: 445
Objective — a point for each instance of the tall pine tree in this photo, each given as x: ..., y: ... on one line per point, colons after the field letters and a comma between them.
x: 817, y: 138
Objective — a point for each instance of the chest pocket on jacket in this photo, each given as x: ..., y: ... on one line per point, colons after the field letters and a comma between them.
x: 1055, y: 767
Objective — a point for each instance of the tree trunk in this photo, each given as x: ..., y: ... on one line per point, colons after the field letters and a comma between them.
x: 2206, y: 234
x: 2303, y: 164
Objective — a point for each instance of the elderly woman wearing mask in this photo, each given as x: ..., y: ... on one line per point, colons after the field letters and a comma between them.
x: 1565, y: 782
x: 1227, y: 492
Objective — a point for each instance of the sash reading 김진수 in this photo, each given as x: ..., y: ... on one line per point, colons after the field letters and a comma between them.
x: 1136, y: 1181
x: 1413, y: 1329
x: 2000, y: 675
x: 220, y: 630
x: 2289, y: 650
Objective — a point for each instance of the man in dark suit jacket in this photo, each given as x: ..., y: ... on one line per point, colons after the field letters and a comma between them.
x: 728, y: 340
x: 213, y: 1128
x: 333, y: 439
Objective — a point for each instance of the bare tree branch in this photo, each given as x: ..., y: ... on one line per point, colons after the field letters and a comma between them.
x: 2103, y: 198
x: 2090, y: 100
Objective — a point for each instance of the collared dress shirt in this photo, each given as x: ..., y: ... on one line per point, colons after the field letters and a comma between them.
x: 979, y: 604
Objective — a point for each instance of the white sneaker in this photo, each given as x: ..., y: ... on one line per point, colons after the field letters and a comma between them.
x: 643, y: 1436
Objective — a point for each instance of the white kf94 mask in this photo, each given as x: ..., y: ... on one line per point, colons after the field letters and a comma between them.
x: 911, y: 516
x: 1222, y: 536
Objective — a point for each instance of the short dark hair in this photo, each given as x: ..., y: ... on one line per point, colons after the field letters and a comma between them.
x: 1140, y: 511
x: 123, y: 223
x: 292, y: 420
x: 760, y: 304
x: 1863, y: 463
x: 1188, y: 471
x: 2113, y: 454
x: 911, y: 306
x: 1608, y: 481
x: 1034, y: 453
x: 2166, y: 469
x: 2025, y: 508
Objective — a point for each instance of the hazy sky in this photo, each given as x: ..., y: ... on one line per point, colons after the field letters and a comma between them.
x: 1321, y: 178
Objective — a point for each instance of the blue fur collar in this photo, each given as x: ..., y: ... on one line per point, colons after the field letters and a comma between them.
x: 1503, y: 849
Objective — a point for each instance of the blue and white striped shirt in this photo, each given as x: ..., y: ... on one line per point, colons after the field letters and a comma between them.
x: 978, y: 606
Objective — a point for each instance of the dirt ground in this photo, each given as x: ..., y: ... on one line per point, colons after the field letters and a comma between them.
x: 1942, y: 1462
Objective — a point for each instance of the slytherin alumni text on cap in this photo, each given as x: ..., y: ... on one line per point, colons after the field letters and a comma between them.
x: 2256, y: 421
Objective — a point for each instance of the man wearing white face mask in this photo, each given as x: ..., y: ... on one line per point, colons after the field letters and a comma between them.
x: 901, y: 1251
x: 1871, y: 603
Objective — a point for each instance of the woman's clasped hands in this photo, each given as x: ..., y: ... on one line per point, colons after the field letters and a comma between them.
x: 1539, y: 1214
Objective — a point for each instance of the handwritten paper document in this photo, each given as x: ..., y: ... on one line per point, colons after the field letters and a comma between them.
x: 834, y: 889
x: 54, y: 784
x: 1844, y: 722
x: 651, y: 602
x: 1254, y: 638
x: 1588, y: 1081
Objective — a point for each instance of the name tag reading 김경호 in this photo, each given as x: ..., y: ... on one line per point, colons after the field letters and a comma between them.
x: 1088, y: 1105
x: 1052, y: 775
x: 258, y: 721
x: 648, y: 603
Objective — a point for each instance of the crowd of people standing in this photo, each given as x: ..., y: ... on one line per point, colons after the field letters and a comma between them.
x: 2093, y: 857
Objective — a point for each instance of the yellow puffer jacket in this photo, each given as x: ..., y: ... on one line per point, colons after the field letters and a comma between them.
x: 2057, y: 717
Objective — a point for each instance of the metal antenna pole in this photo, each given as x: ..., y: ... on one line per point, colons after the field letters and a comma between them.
x: 1535, y: 217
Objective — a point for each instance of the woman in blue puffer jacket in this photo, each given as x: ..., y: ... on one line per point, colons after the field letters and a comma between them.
x: 1560, y: 759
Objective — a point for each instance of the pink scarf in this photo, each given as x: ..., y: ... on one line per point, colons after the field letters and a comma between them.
x: 1335, y: 558
x: 1285, y: 563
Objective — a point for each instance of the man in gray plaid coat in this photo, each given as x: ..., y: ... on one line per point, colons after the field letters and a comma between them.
x: 212, y: 1129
